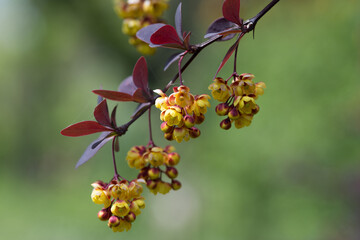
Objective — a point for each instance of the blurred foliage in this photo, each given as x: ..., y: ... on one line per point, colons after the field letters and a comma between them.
x: 293, y: 174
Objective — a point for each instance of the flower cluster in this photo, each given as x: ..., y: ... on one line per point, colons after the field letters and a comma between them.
x: 238, y: 99
x: 154, y: 163
x: 122, y: 202
x: 180, y: 112
x: 138, y: 14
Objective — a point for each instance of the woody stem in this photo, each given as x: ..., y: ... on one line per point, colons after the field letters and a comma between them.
x: 151, y: 142
x: 116, y: 175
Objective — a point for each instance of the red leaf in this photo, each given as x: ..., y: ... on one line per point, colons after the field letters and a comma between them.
x: 101, y: 114
x: 166, y: 35
x: 140, y: 74
x: 139, y: 96
x: 84, y: 128
x: 228, y: 55
x: 231, y: 10
x: 114, y: 95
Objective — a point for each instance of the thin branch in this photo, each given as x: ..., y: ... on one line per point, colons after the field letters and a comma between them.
x: 151, y: 141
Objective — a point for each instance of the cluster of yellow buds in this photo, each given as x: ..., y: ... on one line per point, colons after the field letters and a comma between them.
x: 180, y: 112
x: 154, y: 163
x: 122, y: 202
x: 238, y: 99
x: 138, y: 14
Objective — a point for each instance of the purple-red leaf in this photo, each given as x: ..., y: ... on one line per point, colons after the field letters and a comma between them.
x: 140, y: 74
x: 101, y: 114
x: 93, y: 148
x: 113, y: 116
x: 219, y: 27
x: 84, y: 128
x: 145, y: 33
x: 167, y: 36
x: 173, y: 58
x: 178, y: 22
x: 140, y: 96
x: 231, y: 11
x: 114, y: 95
x: 227, y: 56
x: 127, y: 86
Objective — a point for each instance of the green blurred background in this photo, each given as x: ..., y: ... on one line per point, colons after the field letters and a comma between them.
x: 294, y: 174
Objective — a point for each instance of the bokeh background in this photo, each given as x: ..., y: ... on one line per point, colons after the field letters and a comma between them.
x: 293, y: 174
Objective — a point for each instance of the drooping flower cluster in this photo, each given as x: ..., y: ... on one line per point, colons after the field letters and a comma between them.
x: 138, y: 14
x: 154, y: 163
x: 122, y: 202
x: 238, y: 99
x: 180, y: 112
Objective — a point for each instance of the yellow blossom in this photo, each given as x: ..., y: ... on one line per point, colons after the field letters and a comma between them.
x: 259, y: 89
x: 172, y: 116
x: 181, y: 97
x: 120, y: 208
x: 220, y: 90
x: 100, y: 196
x: 201, y: 104
x: 246, y: 105
x: 119, y: 191
x: 243, y: 121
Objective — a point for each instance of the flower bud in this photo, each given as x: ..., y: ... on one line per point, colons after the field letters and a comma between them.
x: 171, y: 172
x: 222, y: 109
x: 169, y: 136
x: 113, y: 221
x: 173, y: 159
x: 225, y: 124
x: 199, y: 118
x: 256, y: 109
x: 234, y: 114
x: 154, y: 173
x: 104, y: 214
x: 130, y: 217
x: 194, y: 132
x: 166, y: 128
x: 189, y: 121
x: 176, y: 185
x: 151, y: 184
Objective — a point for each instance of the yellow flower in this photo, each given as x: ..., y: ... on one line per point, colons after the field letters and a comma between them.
x: 259, y: 89
x: 120, y: 191
x: 134, y: 157
x: 181, y: 97
x: 136, y: 205
x: 201, y: 104
x: 172, y: 116
x: 135, y: 189
x: 155, y: 156
x: 180, y: 134
x: 131, y: 26
x: 120, y: 208
x: 220, y: 90
x: 246, y: 105
x: 243, y: 121
x: 163, y: 187
x: 123, y: 225
x: 100, y: 196
x: 154, y: 9
x: 162, y: 101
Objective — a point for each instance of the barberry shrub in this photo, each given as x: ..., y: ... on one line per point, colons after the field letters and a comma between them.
x: 180, y: 112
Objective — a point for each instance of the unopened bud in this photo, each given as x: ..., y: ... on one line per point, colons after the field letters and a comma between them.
x: 169, y: 136
x: 199, y: 119
x: 130, y: 217
x: 256, y: 109
x: 113, y: 221
x: 176, y: 185
x: 104, y: 214
x: 166, y: 128
x: 151, y: 184
x: 234, y: 114
x: 171, y: 172
x: 154, y: 173
x: 194, y: 132
x: 225, y: 124
x: 189, y: 121
x: 173, y: 159
x: 222, y: 109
